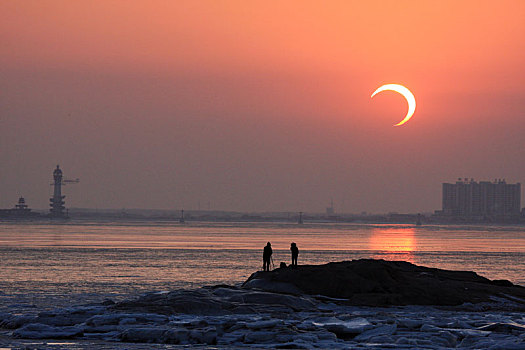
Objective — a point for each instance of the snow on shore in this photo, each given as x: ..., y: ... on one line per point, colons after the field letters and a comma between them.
x: 223, y: 317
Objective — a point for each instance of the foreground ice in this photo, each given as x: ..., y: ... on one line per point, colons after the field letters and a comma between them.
x: 223, y: 317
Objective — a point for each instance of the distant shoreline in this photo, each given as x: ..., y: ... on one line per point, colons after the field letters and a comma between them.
x: 236, y: 217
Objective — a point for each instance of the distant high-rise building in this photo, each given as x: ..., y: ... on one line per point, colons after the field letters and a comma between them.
x: 487, y: 199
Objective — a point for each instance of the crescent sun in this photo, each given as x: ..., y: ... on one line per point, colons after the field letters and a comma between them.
x: 406, y: 94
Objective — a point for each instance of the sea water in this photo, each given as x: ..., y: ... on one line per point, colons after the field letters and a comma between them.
x: 45, y: 265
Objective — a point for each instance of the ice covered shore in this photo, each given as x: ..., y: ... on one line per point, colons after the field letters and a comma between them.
x: 273, y: 311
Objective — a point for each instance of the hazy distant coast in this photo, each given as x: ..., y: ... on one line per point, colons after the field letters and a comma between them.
x: 284, y: 217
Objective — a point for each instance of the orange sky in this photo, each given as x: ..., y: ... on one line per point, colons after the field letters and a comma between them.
x: 259, y: 105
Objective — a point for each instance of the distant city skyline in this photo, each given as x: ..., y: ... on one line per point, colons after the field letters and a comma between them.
x: 465, y: 197
x: 489, y: 199
x: 255, y: 107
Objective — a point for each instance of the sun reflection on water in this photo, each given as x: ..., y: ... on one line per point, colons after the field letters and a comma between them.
x: 393, y: 243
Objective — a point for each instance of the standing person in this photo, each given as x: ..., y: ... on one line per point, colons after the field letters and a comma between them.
x: 267, y: 255
x: 295, y: 253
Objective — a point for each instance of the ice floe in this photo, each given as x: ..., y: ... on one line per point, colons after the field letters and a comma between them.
x: 247, y: 318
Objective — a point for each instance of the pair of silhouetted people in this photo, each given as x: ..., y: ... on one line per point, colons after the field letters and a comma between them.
x: 267, y: 255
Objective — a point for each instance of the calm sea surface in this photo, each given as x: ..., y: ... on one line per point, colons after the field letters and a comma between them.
x: 43, y: 266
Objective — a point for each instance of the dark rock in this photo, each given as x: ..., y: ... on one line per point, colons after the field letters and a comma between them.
x: 117, y: 318
x: 503, y: 283
x: 295, y: 303
x: 260, y: 337
x: 387, y: 329
x: 264, y: 324
x: 206, y: 335
x: 501, y: 327
x: 381, y: 283
x: 273, y: 286
x: 176, y: 336
x: 4, y: 316
x: 291, y: 345
x: 143, y: 335
x: 344, y: 329
x: 44, y: 331
x: 215, y: 301
x: 197, y: 302
x: 67, y: 317
x: 17, y: 321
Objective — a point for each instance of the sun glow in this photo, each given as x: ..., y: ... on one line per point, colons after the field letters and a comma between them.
x: 406, y: 93
x: 396, y: 243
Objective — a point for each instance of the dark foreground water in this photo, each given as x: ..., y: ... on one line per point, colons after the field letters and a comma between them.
x: 44, y: 266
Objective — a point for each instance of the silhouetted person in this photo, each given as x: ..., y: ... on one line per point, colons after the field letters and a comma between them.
x: 267, y: 256
x: 295, y: 253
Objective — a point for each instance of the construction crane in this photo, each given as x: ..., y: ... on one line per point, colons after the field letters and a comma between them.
x: 67, y: 181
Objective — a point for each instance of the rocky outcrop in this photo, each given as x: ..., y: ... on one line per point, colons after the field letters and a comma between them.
x: 284, y: 316
x: 218, y: 300
x: 381, y: 283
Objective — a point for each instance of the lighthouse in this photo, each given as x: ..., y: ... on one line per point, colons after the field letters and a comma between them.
x: 57, y: 201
